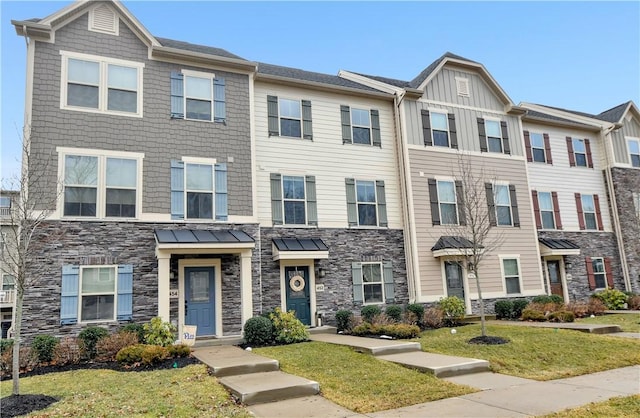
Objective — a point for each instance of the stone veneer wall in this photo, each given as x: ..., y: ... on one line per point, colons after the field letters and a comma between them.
x: 625, y: 182
x: 592, y: 244
x: 58, y: 243
x: 345, y: 246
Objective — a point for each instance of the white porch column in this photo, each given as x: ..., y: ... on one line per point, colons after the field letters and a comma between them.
x: 245, y: 285
x: 163, y: 285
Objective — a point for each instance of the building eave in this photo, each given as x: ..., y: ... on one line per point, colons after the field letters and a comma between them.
x: 320, y: 86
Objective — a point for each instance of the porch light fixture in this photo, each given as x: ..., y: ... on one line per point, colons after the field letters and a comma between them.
x: 567, y: 265
x: 321, y: 272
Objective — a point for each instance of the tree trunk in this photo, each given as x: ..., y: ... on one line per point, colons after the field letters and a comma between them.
x: 17, y: 332
x: 483, y: 326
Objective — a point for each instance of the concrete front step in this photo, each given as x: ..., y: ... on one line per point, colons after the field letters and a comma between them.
x: 306, y: 407
x: 255, y: 388
x: 325, y: 329
x: 437, y: 364
x: 373, y: 346
x: 229, y: 361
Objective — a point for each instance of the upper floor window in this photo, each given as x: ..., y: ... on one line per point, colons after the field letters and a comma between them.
x: 100, y: 185
x: 537, y: 148
x: 439, y: 129
x: 579, y: 151
x: 589, y: 214
x: 101, y: 84
x: 293, y: 200
x: 634, y: 152
x: 198, y: 189
x: 447, y: 203
x: 503, y: 205
x: 366, y: 204
x: 198, y: 96
x: 5, y: 202
x: 546, y: 210
x: 360, y: 126
x: 288, y: 117
x: 494, y: 136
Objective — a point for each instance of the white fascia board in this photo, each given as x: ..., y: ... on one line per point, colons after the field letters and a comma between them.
x: 567, y: 115
x: 357, y: 78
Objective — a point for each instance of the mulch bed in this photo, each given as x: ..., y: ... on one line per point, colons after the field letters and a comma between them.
x: 488, y: 340
x: 16, y: 405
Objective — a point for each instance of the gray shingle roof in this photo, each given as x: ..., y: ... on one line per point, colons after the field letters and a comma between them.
x: 391, y: 81
x: 201, y: 236
x: 297, y: 74
x: 541, y: 115
x: 415, y: 83
x: 614, y: 114
x: 197, y: 48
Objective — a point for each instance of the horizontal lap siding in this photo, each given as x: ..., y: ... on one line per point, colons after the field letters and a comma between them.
x: 630, y: 128
x: 566, y: 180
x: 325, y: 157
x: 520, y: 241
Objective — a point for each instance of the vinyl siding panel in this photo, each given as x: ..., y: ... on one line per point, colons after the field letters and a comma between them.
x: 325, y: 157
x: 442, y: 88
x: 630, y: 128
x: 566, y: 180
x: 520, y: 241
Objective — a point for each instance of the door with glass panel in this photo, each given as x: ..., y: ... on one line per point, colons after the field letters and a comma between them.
x: 453, y: 275
x: 298, y: 297
x: 555, y: 279
x: 199, y: 299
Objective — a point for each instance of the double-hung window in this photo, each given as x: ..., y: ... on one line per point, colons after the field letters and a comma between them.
x: 589, y: 211
x: 293, y: 200
x: 366, y: 201
x: 199, y: 190
x: 511, y: 274
x: 290, y: 118
x: 537, y: 147
x: 634, y: 152
x: 439, y: 129
x: 494, y: 135
x: 101, y: 84
x: 198, y: 96
x: 447, y: 202
x: 599, y: 273
x: 547, y: 214
x: 372, y: 283
x: 98, y: 293
x: 503, y: 205
x: 579, y: 152
x: 100, y: 185
x: 361, y: 125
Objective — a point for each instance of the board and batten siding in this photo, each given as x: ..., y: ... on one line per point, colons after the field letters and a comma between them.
x: 442, y: 88
x: 560, y: 177
x: 325, y: 157
x: 521, y: 241
x: 466, y: 125
x: 630, y: 129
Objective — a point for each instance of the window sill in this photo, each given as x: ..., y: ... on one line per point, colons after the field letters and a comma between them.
x: 295, y: 226
x: 368, y: 227
x: 101, y: 112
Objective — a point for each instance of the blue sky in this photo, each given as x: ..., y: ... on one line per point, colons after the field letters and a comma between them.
x: 578, y: 55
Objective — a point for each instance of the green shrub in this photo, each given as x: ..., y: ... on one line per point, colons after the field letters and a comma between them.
x: 142, y: 353
x: 453, y: 309
x: 433, y: 318
x: 89, y: 337
x: 416, y: 309
x: 258, y: 331
x: 400, y: 331
x: 394, y: 312
x: 362, y: 329
x: 544, y: 299
x: 153, y: 354
x: 287, y: 328
x: 518, y: 307
x: 137, y: 329
x: 504, y: 309
x: 370, y: 311
x: 613, y: 299
x: 533, y: 315
x: 130, y: 355
x: 108, y: 347
x: 179, y: 350
x: 158, y: 332
x: 5, y: 344
x: 44, y: 346
x: 562, y: 316
x: 343, y: 317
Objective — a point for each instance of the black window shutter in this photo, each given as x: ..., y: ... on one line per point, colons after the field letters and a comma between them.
x: 482, y: 135
x: 491, y: 206
x: 453, y: 135
x: 462, y: 219
x: 505, y: 138
x: 272, y: 111
x: 426, y: 128
x: 514, y: 205
x: 345, y: 116
x: 375, y: 128
x: 307, y: 132
x: 433, y: 198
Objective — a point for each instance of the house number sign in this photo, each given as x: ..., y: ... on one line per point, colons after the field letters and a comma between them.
x: 173, y: 293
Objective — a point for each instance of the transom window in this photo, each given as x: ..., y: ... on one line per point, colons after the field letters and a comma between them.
x: 366, y: 201
x: 503, y: 205
x: 290, y: 118
x: 100, y: 185
x: 634, y: 152
x: 293, y: 199
x: 589, y: 211
x: 494, y: 135
x: 447, y: 202
x: 579, y: 152
x: 97, y: 293
x: 101, y: 84
x: 199, y: 190
x: 599, y: 273
x: 440, y: 129
x: 537, y: 147
x: 361, y: 126
x: 372, y: 284
x: 545, y: 202
x: 511, y: 273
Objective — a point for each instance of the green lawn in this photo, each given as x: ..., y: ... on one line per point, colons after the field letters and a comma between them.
x: 623, y: 407
x: 628, y: 322
x: 537, y: 353
x: 186, y: 392
x: 360, y: 382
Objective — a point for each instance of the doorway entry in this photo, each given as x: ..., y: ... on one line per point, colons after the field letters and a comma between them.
x: 199, y: 301
x: 298, y: 297
x: 454, y: 279
x: 555, y: 277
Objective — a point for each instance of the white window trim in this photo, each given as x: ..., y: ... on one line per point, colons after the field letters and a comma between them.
x: 200, y: 161
x: 604, y: 273
x: 102, y: 156
x: 446, y: 117
x: 455, y: 193
x: 304, y: 183
x: 353, y: 125
x: 628, y: 141
x: 362, y: 264
x: 81, y: 295
x: 375, y: 190
x: 280, y: 117
x: 544, y: 150
x: 198, y: 74
x: 102, y: 86
x: 553, y: 210
x: 575, y: 159
x: 495, y: 201
x: 584, y: 211
x: 497, y: 120
x: 502, y: 257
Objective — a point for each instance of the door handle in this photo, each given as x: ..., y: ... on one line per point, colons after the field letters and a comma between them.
x: 186, y: 307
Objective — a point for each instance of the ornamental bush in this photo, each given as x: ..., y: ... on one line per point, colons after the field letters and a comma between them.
x: 369, y: 312
x: 158, y: 332
x: 89, y: 337
x: 417, y: 310
x: 433, y: 318
x: 287, y: 328
x: 108, y: 347
x: 343, y: 318
x: 453, y: 309
x: 5, y: 344
x: 44, y: 347
x: 394, y: 312
x: 137, y: 329
x: 504, y: 309
x: 258, y: 331
x: 544, y: 299
x: 613, y: 299
x: 142, y: 353
x: 562, y: 316
x: 179, y: 350
x: 533, y: 315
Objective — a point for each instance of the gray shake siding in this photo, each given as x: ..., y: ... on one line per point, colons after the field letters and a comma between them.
x: 625, y: 182
x: 156, y: 135
x: 345, y: 247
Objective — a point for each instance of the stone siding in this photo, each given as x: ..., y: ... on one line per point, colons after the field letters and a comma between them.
x: 625, y: 182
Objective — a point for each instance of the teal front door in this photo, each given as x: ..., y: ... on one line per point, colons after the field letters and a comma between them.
x: 296, y: 281
x: 199, y: 299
